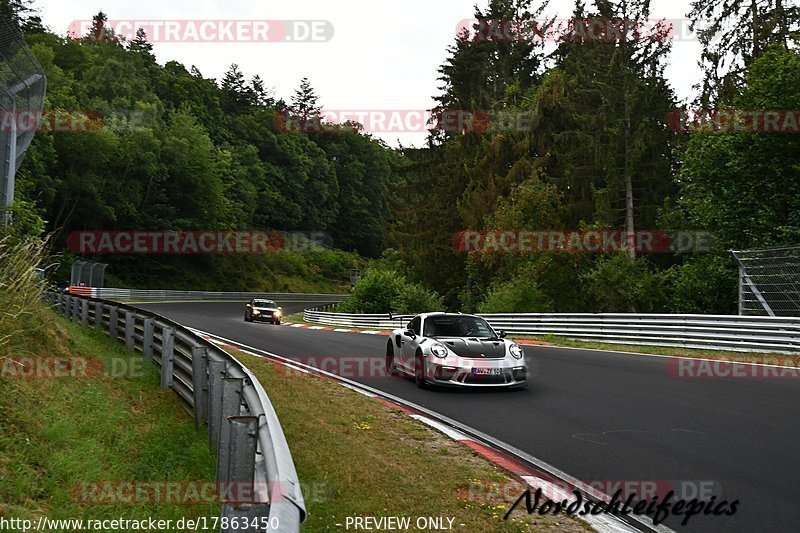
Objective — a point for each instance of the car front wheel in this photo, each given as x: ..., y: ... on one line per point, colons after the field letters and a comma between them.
x: 419, y: 371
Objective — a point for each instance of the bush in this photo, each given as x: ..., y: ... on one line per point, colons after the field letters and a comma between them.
x: 414, y: 299
x: 705, y: 284
x: 383, y: 291
x: 621, y: 285
x: 520, y: 295
x: 374, y: 293
x: 334, y: 264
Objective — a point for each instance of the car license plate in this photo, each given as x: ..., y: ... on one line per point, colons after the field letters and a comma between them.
x: 486, y: 371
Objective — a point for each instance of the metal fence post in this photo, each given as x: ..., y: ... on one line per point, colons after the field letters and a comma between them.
x: 216, y: 369
x: 84, y: 313
x: 73, y: 308
x: 741, y: 291
x: 130, y: 323
x: 98, y: 315
x: 167, y: 356
x: 231, y: 405
x: 242, y: 459
x: 200, y: 384
x: 113, y: 321
x: 147, y: 338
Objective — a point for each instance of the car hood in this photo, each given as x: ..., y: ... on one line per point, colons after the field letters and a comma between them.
x: 475, y: 348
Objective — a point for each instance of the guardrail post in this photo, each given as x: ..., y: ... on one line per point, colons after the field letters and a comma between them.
x: 113, y: 321
x: 147, y: 338
x: 130, y: 324
x: 98, y: 315
x: 167, y: 356
x: 241, y: 468
x: 84, y: 313
x: 200, y: 384
x: 231, y: 406
x: 216, y: 369
x: 60, y: 302
x: 73, y: 308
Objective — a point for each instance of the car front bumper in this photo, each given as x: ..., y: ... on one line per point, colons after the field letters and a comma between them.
x: 464, y: 376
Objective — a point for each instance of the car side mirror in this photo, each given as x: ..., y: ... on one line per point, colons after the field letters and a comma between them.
x: 409, y: 333
x: 502, y: 334
x: 281, y: 308
x: 248, y: 305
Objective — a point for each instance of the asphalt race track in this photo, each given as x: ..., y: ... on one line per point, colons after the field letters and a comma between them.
x: 597, y: 416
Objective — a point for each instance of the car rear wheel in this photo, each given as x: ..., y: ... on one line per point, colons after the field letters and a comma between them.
x: 419, y: 371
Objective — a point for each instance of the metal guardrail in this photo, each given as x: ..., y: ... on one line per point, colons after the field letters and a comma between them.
x: 713, y: 332
x: 254, y: 471
x: 381, y: 321
x: 144, y: 295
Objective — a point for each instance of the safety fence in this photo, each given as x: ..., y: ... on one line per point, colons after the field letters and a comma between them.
x: 254, y: 470
x: 713, y: 332
x: 170, y: 295
x: 23, y: 86
x: 769, y: 281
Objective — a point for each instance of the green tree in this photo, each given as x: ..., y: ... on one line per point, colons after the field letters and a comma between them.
x: 744, y: 185
x: 734, y: 34
x: 305, y: 107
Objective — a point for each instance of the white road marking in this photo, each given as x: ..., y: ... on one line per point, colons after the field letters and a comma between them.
x: 452, y: 433
x: 365, y: 393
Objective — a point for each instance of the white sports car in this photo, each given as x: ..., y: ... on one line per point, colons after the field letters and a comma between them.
x: 455, y: 349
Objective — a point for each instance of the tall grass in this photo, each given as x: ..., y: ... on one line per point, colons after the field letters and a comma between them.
x: 21, y: 307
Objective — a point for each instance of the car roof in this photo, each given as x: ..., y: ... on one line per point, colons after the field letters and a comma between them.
x: 439, y: 313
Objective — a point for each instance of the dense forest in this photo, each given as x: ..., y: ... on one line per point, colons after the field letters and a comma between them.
x: 164, y: 148
x: 596, y: 150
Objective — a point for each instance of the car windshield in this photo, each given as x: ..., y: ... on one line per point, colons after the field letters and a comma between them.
x: 263, y: 303
x: 457, y: 326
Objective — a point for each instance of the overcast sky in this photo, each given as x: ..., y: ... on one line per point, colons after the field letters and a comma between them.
x: 382, y: 55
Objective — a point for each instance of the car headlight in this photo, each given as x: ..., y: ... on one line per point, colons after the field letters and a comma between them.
x: 439, y: 350
x: 278, y: 313
x: 256, y: 312
x: 516, y: 351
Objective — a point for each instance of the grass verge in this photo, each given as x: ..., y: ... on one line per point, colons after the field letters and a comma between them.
x: 357, y: 456
x: 69, y: 436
